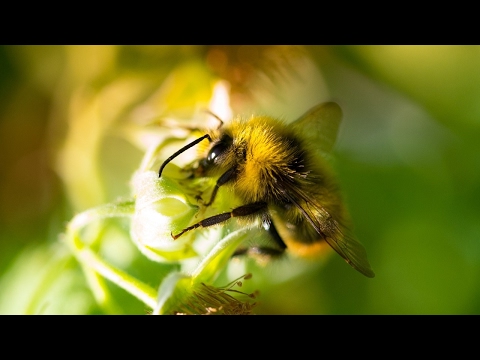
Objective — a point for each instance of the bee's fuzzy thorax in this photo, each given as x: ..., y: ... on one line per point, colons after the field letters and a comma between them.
x: 263, y: 153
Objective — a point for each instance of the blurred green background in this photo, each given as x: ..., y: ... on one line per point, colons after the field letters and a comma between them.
x: 73, y: 124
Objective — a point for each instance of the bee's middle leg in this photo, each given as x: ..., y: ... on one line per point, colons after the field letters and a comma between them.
x: 244, y: 210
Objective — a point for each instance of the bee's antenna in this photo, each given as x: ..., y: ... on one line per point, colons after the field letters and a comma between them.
x: 186, y: 147
x: 216, y: 117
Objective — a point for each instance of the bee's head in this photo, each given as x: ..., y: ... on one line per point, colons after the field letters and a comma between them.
x: 217, y: 153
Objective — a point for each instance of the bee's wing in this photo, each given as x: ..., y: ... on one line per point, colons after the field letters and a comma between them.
x: 332, y: 232
x: 320, y: 125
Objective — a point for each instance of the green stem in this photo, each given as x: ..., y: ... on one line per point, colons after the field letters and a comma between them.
x: 135, y: 287
x: 93, y: 265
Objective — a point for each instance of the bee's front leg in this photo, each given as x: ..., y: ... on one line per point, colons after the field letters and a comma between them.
x: 227, y: 176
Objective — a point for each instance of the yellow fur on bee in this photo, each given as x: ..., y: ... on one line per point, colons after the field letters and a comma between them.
x: 266, y: 155
x: 308, y: 251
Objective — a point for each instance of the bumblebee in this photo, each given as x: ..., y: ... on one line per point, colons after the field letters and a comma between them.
x: 281, y: 174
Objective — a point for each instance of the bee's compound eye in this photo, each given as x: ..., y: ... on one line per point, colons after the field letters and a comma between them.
x: 216, y: 151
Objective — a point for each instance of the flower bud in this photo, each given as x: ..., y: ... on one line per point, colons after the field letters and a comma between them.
x: 161, y: 208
